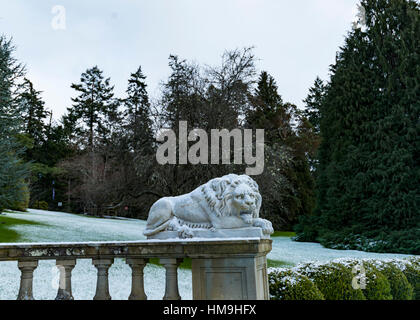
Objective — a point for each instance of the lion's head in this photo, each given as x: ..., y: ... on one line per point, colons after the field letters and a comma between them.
x: 233, y: 195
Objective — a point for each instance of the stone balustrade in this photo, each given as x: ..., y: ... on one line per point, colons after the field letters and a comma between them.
x: 221, y: 269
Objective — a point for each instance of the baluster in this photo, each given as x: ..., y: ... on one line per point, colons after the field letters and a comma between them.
x: 137, y: 282
x: 64, y: 290
x: 102, y: 286
x: 171, y: 287
x: 26, y: 279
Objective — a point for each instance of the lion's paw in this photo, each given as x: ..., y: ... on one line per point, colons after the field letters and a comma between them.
x: 265, y: 225
x: 268, y: 227
x: 185, y: 232
x: 173, y: 225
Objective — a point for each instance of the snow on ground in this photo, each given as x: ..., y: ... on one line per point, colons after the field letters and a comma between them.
x: 68, y: 227
x: 292, y: 252
x: 64, y: 227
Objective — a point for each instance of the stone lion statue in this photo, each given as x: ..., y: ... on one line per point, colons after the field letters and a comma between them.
x: 229, y: 202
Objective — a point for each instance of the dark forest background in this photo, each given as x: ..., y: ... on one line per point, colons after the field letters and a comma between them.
x: 343, y: 171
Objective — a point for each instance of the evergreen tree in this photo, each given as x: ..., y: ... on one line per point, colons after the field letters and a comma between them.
x: 269, y: 112
x: 131, y: 154
x: 94, y: 109
x: 283, y: 202
x: 182, y: 96
x: 313, y: 103
x: 309, y: 125
x: 13, y: 171
x: 369, y: 173
x: 34, y: 115
x: 137, y: 114
x: 94, y: 122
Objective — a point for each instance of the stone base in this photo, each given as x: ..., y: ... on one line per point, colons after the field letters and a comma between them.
x: 240, y: 278
x: 251, y: 232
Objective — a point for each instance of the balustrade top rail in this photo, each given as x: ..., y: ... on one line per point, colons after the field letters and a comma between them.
x: 197, y: 248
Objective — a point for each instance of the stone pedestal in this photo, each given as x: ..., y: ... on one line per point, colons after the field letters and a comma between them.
x: 234, y: 277
x: 250, y: 232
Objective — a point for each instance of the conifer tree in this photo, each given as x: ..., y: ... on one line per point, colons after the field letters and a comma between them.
x: 137, y: 114
x: 13, y: 171
x: 313, y: 103
x: 34, y: 115
x: 94, y: 109
x: 182, y: 95
x: 309, y: 125
x: 269, y: 112
x: 284, y: 202
x: 369, y: 177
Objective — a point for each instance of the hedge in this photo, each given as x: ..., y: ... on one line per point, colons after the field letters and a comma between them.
x: 289, y: 285
x: 412, y: 272
x: 401, y: 288
x: 348, y: 279
x: 334, y: 280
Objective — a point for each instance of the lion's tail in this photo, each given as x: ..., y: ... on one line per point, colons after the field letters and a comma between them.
x: 162, y: 227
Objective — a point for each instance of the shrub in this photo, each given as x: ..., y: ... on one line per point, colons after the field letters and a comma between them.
x: 42, y: 205
x: 401, y: 289
x: 411, y: 269
x: 412, y: 273
x: 377, y: 286
x: 289, y: 285
x: 307, y: 229
x: 333, y: 279
x: 23, y: 203
x: 405, y: 241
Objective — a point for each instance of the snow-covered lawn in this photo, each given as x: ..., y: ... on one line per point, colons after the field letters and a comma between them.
x: 58, y: 226
x: 67, y: 227
x: 284, y: 249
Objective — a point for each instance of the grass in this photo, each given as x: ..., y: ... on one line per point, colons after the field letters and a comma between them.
x: 278, y: 264
x: 283, y: 234
x: 7, y: 235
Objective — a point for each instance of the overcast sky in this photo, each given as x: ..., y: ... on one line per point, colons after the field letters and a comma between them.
x: 294, y: 40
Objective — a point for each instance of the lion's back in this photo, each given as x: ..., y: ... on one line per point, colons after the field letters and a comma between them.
x: 190, y: 207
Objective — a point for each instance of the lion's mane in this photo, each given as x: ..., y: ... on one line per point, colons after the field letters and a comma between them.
x: 218, y: 191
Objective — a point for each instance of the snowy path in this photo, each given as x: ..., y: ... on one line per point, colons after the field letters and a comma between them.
x: 69, y: 227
